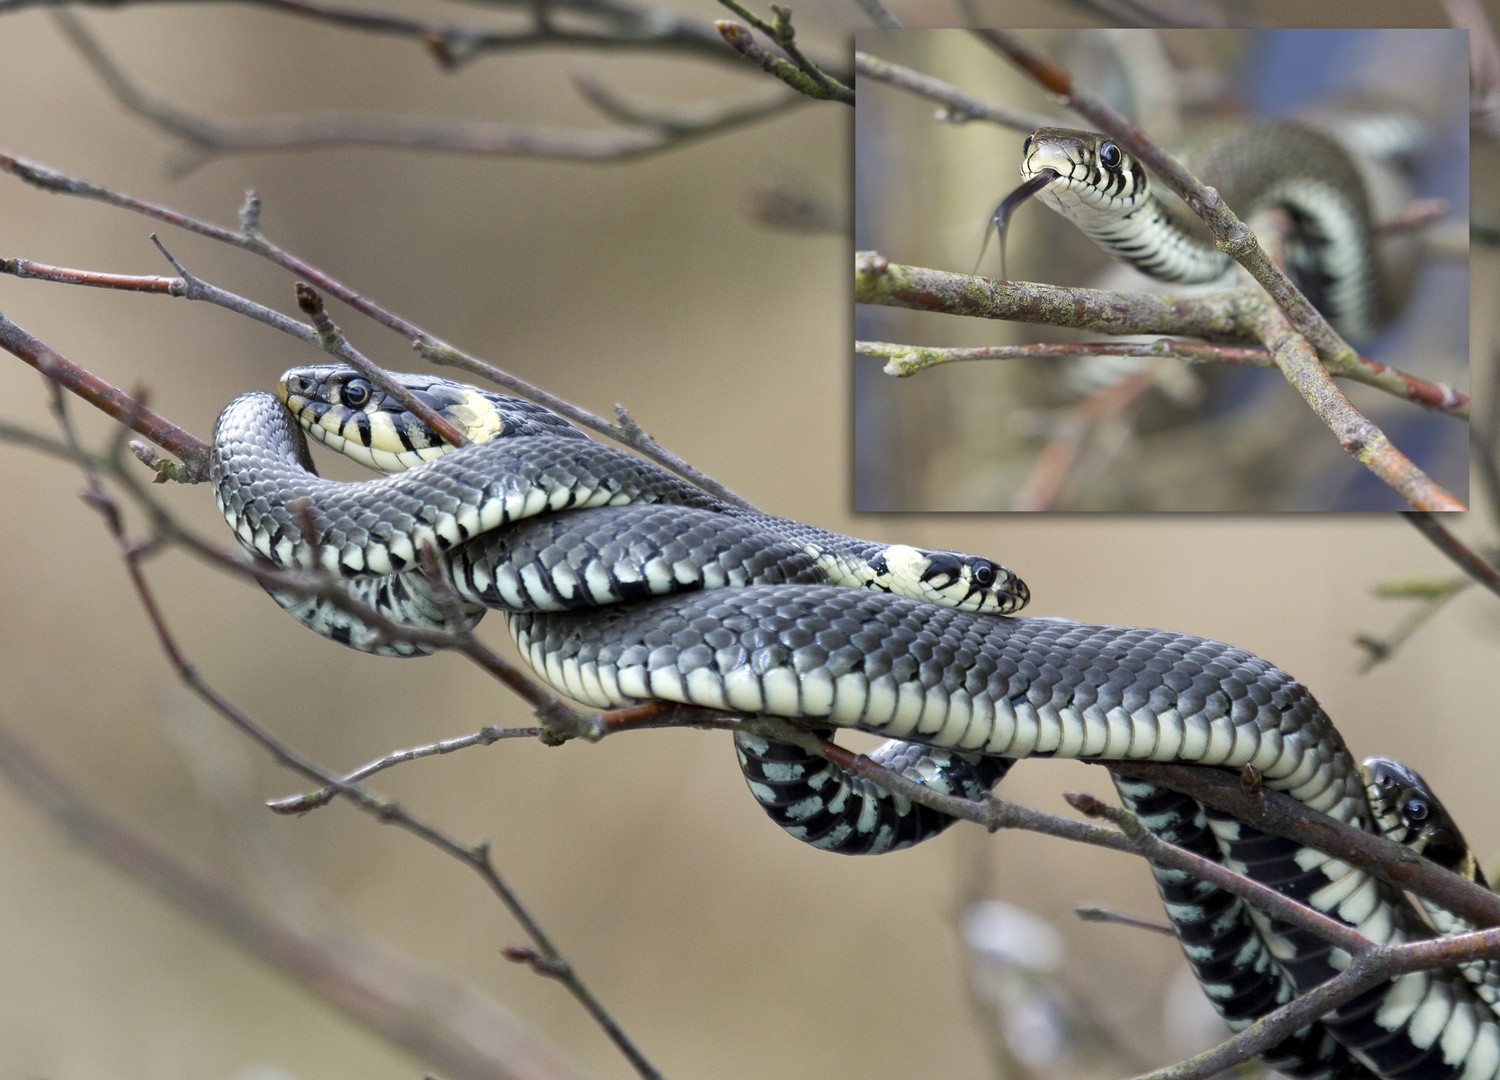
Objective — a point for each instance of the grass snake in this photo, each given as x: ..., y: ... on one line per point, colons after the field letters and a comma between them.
x: 685, y: 599
x: 1329, y: 240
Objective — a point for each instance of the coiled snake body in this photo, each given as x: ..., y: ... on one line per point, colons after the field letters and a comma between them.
x: 966, y: 692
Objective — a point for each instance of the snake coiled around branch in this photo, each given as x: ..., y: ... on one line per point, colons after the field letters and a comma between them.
x: 745, y: 614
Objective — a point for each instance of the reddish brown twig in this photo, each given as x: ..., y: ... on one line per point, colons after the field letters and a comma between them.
x: 110, y: 400
x: 251, y: 239
x: 1359, y: 436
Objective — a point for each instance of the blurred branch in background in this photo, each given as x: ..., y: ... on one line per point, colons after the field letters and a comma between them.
x: 448, y: 1023
x: 644, y: 127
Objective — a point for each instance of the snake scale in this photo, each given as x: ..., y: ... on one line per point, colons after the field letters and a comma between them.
x: 624, y: 584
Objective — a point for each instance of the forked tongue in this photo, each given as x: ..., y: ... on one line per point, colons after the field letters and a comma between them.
x: 1001, y: 217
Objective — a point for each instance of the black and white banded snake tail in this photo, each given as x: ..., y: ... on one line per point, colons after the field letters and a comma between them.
x: 829, y: 655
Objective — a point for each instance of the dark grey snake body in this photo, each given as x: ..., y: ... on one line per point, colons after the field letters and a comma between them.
x: 981, y: 690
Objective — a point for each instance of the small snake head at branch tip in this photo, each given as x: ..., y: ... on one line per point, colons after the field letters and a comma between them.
x: 1408, y: 812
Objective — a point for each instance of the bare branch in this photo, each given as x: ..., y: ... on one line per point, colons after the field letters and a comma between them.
x: 108, y: 399
x: 877, y: 280
x: 818, y: 86
x: 1431, y: 598
x: 1281, y: 815
x: 472, y: 1037
x: 621, y: 26
x: 1364, y: 972
x: 1357, y: 434
x: 995, y: 813
x: 1463, y: 556
x: 1231, y: 314
x: 959, y: 107
x: 251, y: 239
x: 475, y: 856
x: 907, y: 360
x: 210, y: 137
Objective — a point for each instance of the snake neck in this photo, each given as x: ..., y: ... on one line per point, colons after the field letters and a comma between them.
x: 1147, y: 236
x: 1283, y: 178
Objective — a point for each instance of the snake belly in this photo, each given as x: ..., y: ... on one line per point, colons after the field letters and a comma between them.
x: 1330, y: 244
x: 983, y: 686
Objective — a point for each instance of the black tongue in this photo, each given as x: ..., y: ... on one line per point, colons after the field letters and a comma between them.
x: 1001, y: 217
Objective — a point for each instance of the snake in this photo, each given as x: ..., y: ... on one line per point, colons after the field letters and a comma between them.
x: 1407, y: 811
x: 542, y: 522
x: 1329, y: 237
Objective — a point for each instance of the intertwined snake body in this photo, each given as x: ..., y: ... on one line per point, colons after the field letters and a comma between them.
x: 966, y: 692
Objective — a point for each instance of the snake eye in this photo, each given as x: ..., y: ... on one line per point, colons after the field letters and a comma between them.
x: 1109, y: 155
x: 356, y: 393
x: 1416, y: 809
x: 984, y: 574
x: 1026, y: 146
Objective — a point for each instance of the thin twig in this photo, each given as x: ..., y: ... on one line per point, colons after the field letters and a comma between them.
x: 804, y: 75
x: 637, y: 717
x: 472, y: 1038
x: 1462, y: 556
x: 741, y: 40
x: 476, y: 856
x: 433, y: 348
x: 208, y: 137
x: 996, y: 813
x: 626, y: 26
x: 1360, y: 437
x: 1431, y: 598
x: 909, y: 359
x: 1279, y: 814
x: 905, y: 360
x: 110, y: 400
x: 959, y: 107
x: 1096, y: 913
x: 1365, y: 972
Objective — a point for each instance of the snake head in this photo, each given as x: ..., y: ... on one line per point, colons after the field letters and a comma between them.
x: 1411, y: 814
x: 950, y: 579
x: 1094, y: 175
x: 340, y: 408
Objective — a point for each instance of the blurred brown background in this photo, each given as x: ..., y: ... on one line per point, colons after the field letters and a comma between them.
x: 725, y: 948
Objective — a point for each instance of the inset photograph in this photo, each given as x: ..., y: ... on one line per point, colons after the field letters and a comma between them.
x: 1161, y: 270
